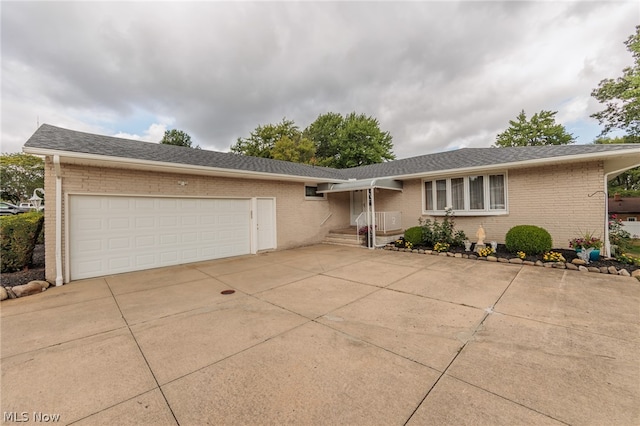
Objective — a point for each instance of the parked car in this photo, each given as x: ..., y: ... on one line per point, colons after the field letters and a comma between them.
x: 9, y: 209
x: 29, y: 207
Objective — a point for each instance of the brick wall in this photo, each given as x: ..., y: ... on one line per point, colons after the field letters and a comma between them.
x: 553, y: 197
x: 298, y: 220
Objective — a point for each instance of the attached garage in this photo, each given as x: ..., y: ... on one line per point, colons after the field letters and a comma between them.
x: 111, y: 234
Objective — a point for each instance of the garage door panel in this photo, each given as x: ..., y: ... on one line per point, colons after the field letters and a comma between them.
x: 119, y: 263
x: 110, y: 234
x: 146, y: 260
x: 144, y: 204
x: 119, y: 243
x: 145, y: 222
x: 118, y: 203
x: 117, y: 223
x: 145, y: 241
x: 168, y: 239
x: 167, y: 221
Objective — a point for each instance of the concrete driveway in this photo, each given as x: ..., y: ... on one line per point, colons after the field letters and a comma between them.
x: 327, y: 335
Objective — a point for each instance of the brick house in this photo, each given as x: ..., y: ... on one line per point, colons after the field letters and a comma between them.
x: 118, y: 205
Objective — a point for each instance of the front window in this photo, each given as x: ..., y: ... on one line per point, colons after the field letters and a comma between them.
x: 428, y: 189
x: 496, y: 192
x: 476, y: 192
x: 457, y: 194
x: 470, y: 195
x: 441, y: 194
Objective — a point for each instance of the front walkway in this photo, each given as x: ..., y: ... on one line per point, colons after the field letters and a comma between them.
x: 328, y: 335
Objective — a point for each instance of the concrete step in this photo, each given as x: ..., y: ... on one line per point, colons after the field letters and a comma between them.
x: 343, y: 239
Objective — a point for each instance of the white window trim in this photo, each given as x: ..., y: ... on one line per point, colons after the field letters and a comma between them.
x: 320, y: 197
x: 467, y: 211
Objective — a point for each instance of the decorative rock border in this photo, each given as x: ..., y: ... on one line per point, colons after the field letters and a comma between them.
x: 33, y: 287
x: 577, y: 264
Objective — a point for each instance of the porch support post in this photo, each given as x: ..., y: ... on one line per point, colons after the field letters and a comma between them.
x: 373, y: 220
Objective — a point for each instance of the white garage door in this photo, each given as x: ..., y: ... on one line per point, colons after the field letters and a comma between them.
x: 111, y: 234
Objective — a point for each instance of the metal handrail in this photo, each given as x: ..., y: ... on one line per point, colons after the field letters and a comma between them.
x: 326, y: 219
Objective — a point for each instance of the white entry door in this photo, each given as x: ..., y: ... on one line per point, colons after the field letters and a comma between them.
x: 358, y: 204
x: 266, y: 223
x: 114, y: 234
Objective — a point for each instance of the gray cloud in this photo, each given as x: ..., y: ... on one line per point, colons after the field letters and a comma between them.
x: 437, y: 75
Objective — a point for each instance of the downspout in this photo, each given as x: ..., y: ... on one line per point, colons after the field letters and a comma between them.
x: 56, y: 165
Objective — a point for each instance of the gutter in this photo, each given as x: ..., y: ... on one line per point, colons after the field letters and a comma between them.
x: 56, y: 165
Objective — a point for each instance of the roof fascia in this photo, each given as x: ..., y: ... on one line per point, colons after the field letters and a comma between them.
x: 133, y: 163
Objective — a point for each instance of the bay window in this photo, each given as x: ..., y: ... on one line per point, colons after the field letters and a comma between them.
x: 467, y: 195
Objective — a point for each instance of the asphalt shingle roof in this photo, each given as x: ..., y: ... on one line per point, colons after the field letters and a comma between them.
x: 477, y: 157
x: 59, y: 139
x: 56, y: 138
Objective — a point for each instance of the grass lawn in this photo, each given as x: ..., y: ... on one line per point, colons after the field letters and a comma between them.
x: 635, y: 248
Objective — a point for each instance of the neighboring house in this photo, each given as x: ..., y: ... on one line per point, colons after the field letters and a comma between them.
x: 626, y: 209
x: 124, y: 205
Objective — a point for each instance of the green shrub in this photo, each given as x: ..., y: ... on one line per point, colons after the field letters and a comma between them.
x: 413, y: 235
x: 529, y: 239
x: 18, y: 236
x: 442, y: 232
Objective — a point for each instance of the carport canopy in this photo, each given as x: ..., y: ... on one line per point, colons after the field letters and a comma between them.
x: 356, y: 185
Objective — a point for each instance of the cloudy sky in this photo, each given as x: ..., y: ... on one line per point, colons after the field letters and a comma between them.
x: 437, y: 75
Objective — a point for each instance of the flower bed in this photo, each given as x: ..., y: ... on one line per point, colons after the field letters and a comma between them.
x: 553, y: 259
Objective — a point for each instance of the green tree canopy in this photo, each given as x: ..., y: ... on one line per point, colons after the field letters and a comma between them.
x: 323, y: 131
x: 177, y: 138
x: 331, y: 140
x: 626, y: 184
x: 262, y: 140
x: 542, y: 129
x: 621, y: 97
x: 297, y: 150
x: 20, y: 174
x: 349, y: 141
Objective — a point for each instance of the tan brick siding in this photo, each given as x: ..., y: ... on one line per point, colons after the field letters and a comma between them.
x: 298, y: 220
x: 556, y: 198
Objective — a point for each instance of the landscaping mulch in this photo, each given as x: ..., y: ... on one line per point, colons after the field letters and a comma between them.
x: 35, y: 272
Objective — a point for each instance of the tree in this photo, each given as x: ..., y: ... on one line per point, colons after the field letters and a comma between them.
x: 350, y: 141
x: 626, y: 184
x: 332, y: 140
x: 621, y: 97
x: 177, y: 138
x: 542, y: 129
x: 324, y: 130
x: 298, y: 150
x: 20, y: 174
x: 263, y: 139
